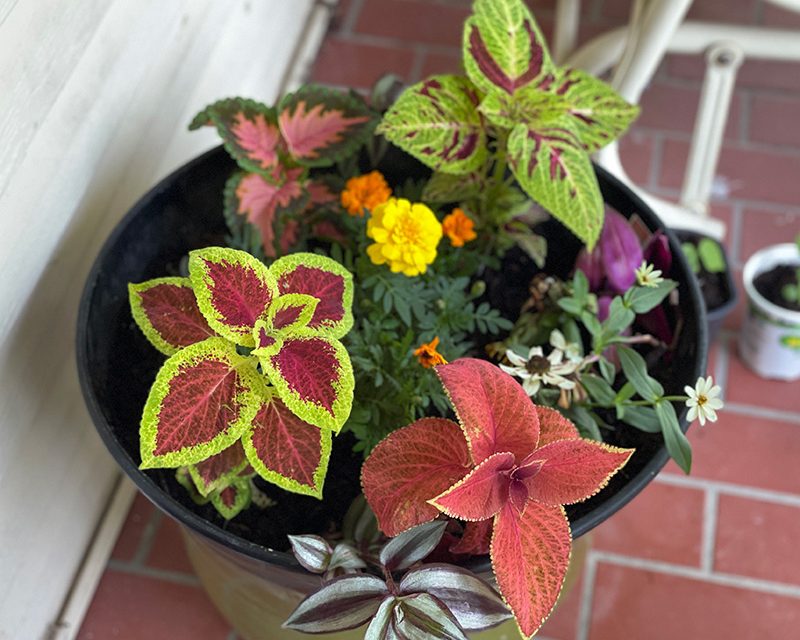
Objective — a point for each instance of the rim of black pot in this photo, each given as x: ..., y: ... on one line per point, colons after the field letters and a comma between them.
x: 173, y: 507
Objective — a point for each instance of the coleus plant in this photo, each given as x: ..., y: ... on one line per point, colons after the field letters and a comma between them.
x: 275, y: 148
x: 407, y: 599
x: 506, y: 469
x: 514, y: 109
x: 257, y: 380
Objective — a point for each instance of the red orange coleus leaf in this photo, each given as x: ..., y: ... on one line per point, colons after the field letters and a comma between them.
x: 202, y: 400
x: 410, y: 467
x: 324, y: 279
x: 320, y: 126
x: 166, y: 311
x: 286, y: 450
x: 233, y: 290
x: 220, y: 470
x: 525, y: 462
x: 249, y: 131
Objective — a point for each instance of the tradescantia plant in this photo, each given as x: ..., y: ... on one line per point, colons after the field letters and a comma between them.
x: 256, y: 381
x: 505, y: 469
x: 514, y: 110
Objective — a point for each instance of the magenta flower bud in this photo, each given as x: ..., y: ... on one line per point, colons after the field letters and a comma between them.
x: 592, y: 266
x: 621, y: 252
x: 657, y: 253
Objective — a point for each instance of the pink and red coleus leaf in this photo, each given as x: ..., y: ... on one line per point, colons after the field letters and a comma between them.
x: 476, y: 539
x: 530, y: 555
x: 249, y: 131
x: 220, y: 470
x: 233, y: 290
x: 321, y: 126
x: 553, y: 426
x: 480, y: 494
x: 287, y: 451
x: 267, y: 202
x: 574, y: 470
x: 166, y: 311
x: 411, y: 466
x: 313, y: 376
x: 202, y: 400
x: 493, y: 410
x: 503, y: 47
x: 324, y: 279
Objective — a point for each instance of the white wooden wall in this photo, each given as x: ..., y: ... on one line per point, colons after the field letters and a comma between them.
x: 95, y: 96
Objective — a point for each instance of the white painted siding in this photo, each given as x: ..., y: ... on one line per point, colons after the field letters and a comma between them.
x: 95, y: 97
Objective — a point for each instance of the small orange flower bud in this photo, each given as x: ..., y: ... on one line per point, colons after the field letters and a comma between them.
x: 365, y: 192
x: 459, y: 228
x: 427, y: 354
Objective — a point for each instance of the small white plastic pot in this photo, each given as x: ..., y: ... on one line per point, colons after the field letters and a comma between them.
x: 769, y: 342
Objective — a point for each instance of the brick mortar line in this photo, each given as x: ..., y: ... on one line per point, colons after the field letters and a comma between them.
x: 721, y: 366
x: 768, y: 206
x: 175, y: 577
x: 146, y: 541
x: 351, y: 18
x: 736, y: 233
x: 420, y: 56
x: 387, y: 42
x: 686, y: 136
x: 720, y: 579
x: 762, y: 412
x: 656, y: 160
x: 587, y: 595
x: 729, y: 489
x: 745, y: 116
x: 709, y: 535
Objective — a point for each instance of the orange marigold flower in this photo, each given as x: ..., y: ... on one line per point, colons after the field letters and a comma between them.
x: 427, y: 354
x: 365, y: 192
x: 459, y: 228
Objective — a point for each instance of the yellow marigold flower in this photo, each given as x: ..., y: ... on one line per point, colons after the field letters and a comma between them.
x: 459, y: 228
x: 365, y: 192
x: 405, y: 235
x: 427, y: 354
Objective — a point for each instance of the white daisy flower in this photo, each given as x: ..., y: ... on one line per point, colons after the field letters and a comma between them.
x: 538, y: 369
x: 703, y: 400
x: 570, y: 349
x: 648, y: 276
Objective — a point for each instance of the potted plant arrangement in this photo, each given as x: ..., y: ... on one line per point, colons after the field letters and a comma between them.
x: 398, y: 380
x: 710, y: 265
x: 769, y: 342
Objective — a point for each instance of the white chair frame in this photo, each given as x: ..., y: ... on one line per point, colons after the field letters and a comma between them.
x: 655, y: 28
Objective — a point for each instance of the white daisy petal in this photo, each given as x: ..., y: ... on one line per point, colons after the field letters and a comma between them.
x: 692, y: 415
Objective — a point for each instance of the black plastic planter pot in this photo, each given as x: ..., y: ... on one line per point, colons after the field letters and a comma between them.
x: 117, y: 365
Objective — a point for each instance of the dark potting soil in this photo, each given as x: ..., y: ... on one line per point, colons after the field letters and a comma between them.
x: 770, y: 284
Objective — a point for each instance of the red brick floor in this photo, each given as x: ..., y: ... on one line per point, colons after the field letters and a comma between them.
x: 712, y: 555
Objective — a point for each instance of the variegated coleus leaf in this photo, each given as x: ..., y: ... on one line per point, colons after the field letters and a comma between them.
x: 233, y: 499
x: 220, y: 470
x: 202, y: 400
x: 166, y: 311
x: 249, y: 131
x: 503, y: 48
x: 313, y: 376
x: 437, y: 122
x: 324, y: 279
x: 233, y: 291
x: 553, y: 169
x: 266, y: 203
x: 286, y: 450
x: 321, y: 125
x: 597, y: 112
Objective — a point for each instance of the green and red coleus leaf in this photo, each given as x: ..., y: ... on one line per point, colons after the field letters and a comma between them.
x: 411, y: 466
x: 313, y: 376
x: 220, y: 470
x: 503, y: 48
x: 249, y: 131
x: 598, y: 114
x: 233, y: 499
x: 551, y: 166
x: 167, y: 313
x: 287, y: 451
x: 321, y: 126
x: 266, y: 202
x: 322, y: 278
x: 233, y: 290
x: 437, y: 122
x: 202, y: 400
